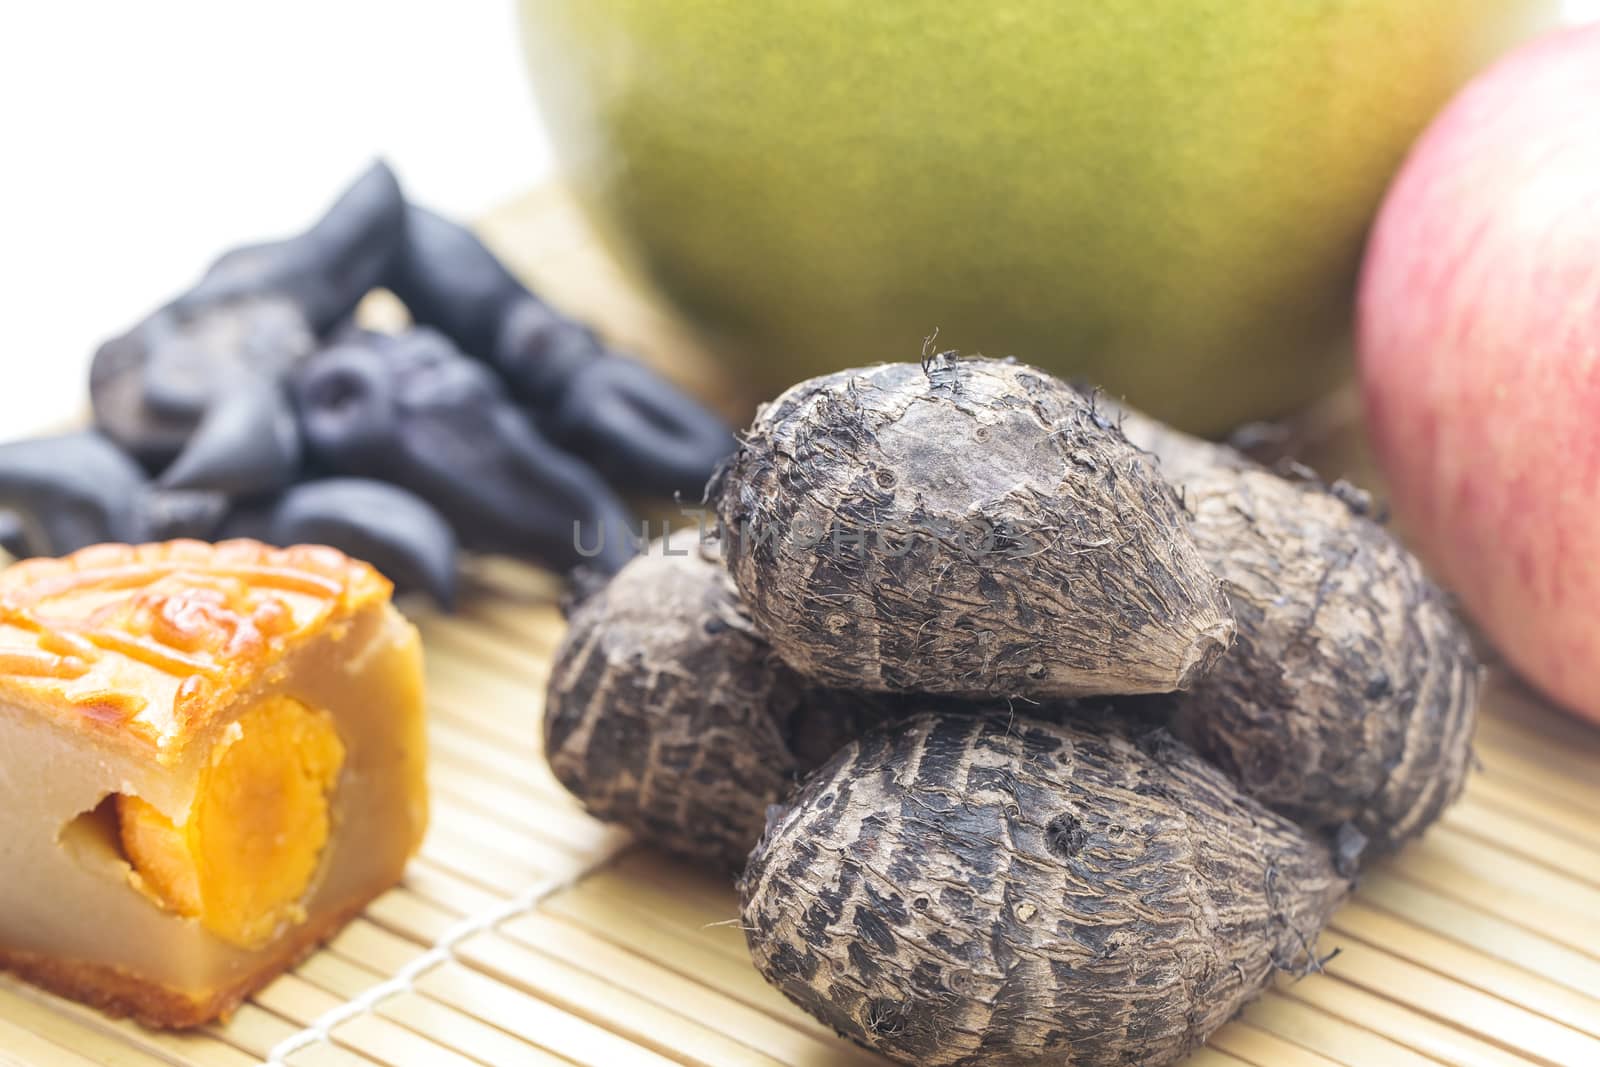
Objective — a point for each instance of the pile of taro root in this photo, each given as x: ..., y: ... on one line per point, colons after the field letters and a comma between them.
x: 1036, y: 732
x: 252, y: 405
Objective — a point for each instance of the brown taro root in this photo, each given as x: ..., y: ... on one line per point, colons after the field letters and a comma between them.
x: 1351, y: 690
x: 967, y: 891
x: 968, y: 527
x: 667, y: 713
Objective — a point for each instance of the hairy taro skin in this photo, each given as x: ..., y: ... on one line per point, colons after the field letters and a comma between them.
x: 1015, y: 544
x: 976, y: 892
x: 1351, y: 690
x: 669, y: 714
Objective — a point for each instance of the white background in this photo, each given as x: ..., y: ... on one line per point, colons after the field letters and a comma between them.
x: 138, y: 138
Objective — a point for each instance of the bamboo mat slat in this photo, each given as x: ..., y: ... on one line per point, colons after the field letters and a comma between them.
x: 1347, y: 1043
x: 1361, y: 922
x: 23, y: 1047
x: 326, y: 1056
x: 1262, y: 1049
x: 530, y: 935
x: 1427, y: 911
x: 255, y: 1030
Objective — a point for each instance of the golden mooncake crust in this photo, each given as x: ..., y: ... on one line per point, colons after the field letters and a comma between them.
x: 146, y: 645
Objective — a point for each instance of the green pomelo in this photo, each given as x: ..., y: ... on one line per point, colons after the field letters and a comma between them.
x: 1167, y: 197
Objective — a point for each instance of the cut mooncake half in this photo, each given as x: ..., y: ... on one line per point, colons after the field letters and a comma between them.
x: 211, y: 756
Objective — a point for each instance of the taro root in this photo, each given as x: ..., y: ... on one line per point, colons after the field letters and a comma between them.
x: 78, y: 489
x: 257, y: 311
x: 412, y: 410
x: 393, y: 529
x: 640, y: 431
x: 965, y: 526
x: 667, y: 712
x: 1351, y: 690
x: 978, y: 892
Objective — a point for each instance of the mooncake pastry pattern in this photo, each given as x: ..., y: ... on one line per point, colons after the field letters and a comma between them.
x: 210, y: 757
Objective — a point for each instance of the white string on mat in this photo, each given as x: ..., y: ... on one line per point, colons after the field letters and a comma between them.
x: 442, y: 951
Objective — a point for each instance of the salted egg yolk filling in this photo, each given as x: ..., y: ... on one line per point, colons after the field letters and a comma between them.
x: 243, y: 860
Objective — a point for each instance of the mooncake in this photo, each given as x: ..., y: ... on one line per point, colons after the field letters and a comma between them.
x: 211, y: 756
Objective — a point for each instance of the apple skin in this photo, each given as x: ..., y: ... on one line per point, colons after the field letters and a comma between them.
x: 1479, y: 337
x: 1166, y: 197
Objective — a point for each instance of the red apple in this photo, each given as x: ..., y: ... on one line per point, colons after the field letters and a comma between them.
x: 1480, y: 356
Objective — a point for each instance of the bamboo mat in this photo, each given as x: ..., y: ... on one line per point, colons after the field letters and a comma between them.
x: 527, y: 933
